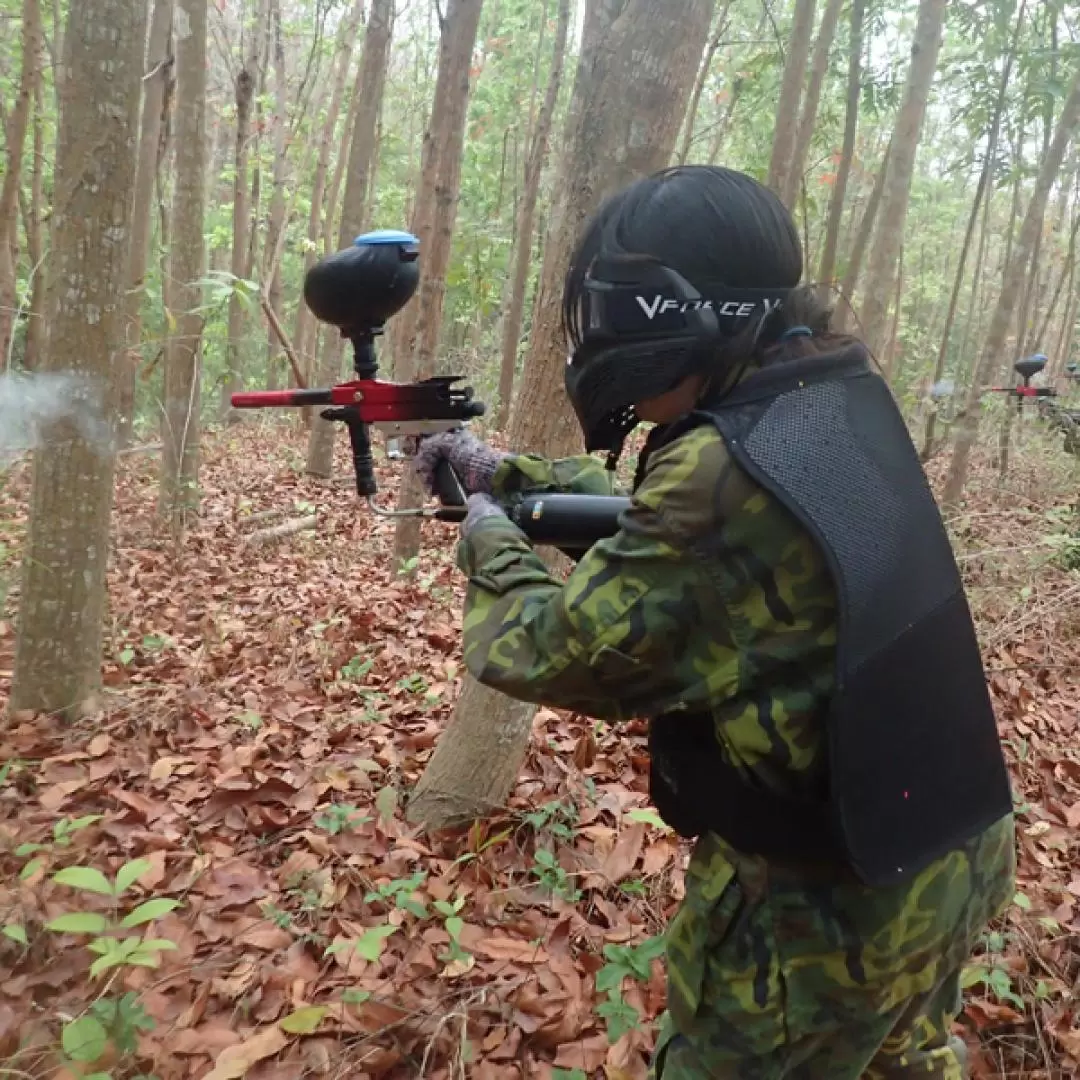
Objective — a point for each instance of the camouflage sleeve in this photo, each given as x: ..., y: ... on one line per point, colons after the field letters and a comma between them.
x: 609, y: 641
x: 580, y: 475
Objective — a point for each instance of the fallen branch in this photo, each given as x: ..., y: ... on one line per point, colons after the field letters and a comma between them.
x: 286, y: 528
x: 262, y: 515
x: 286, y: 344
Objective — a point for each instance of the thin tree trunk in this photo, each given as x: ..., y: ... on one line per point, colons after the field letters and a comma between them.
x: 243, y: 96
x: 862, y: 241
x: 977, y: 279
x: 898, y: 298
x: 62, y: 595
x: 905, y: 144
x: 36, y: 329
x: 827, y: 267
x: 699, y: 84
x: 791, y: 88
x: 271, y: 274
x: 534, y: 167
x: 327, y: 139
x: 370, y: 86
x: 433, y: 223
x: 179, y: 499
x: 158, y: 71
x: 1006, y: 304
x: 819, y: 68
x: 9, y: 189
x: 969, y: 232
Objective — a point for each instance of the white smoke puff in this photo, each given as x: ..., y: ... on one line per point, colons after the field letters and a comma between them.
x: 31, y: 402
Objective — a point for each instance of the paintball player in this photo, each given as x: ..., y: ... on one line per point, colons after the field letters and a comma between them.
x: 782, y: 604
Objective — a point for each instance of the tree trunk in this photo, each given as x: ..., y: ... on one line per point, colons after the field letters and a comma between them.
x: 370, y: 85
x: 244, y: 96
x: 969, y: 233
x: 181, y: 421
x: 340, y: 77
x: 35, y: 246
x: 791, y: 87
x: 1005, y: 309
x: 271, y: 275
x: 862, y: 241
x: 889, y: 363
x: 699, y: 84
x: 637, y: 62
x: 433, y: 223
x: 62, y: 598
x: 827, y: 267
x: 905, y: 144
x: 526, y: 216
x: 9, y: 190
x: 819, y: 68
x: 159, y: 70
x: 631, y: 88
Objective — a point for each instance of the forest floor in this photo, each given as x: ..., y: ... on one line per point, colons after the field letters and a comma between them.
x: 267, y: 709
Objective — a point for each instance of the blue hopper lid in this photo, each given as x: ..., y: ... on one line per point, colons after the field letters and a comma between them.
x: 387, y: 236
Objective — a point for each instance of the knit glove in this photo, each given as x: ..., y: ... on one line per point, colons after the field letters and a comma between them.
x: 481, y: 507
x: 473, y: 461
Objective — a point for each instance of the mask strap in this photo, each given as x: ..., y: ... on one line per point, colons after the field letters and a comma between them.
x: 797, y: 331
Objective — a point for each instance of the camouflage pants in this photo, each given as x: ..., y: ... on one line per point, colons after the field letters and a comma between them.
x: 773, y: 975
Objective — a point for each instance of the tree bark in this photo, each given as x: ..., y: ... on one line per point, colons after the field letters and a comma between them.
x: 827, y: 267
x: 526, y: 217
x: 433, y: 223
x: 969, y: 233
x: 35, y: 246
x: 819, y: 68
x: 1005, y: 310
x: 180, y: 434
x: 631, y: 88
x: 637, y: 62
x: 158, y: 72
x: 62, y: 597
x: 905, y: 144
x: 9, y: 189
x: 791, y: 87
x: 243, y: 96
x: 271, y: 273
x: 699, y: 83
x: 862, y: 241
x: 340, y: 77
x: 370, y: 85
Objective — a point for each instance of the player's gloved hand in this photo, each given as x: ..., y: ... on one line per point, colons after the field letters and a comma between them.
x: 481, y: 507
x: 473, y: 461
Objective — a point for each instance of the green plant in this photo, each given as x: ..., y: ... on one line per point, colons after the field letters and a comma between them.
x: 356, y: 668
x: 123, y: 1018
x: 338, y: 817
x: 623, y: 962
x: 556, y: 817
x: 400, y: 894
x: 62, y: 833
x: 414, y: 684
x: 453, y: 924
x: 553, y: 877
x: 108, y: 939
x: 369, y: 945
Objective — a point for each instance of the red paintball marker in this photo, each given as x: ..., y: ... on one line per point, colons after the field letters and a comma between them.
x: 358, y: 290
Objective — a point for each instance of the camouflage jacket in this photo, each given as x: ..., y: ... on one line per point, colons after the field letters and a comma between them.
x: 710, y: 597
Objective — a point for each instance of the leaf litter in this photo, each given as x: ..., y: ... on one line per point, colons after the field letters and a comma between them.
x: 265, y: 713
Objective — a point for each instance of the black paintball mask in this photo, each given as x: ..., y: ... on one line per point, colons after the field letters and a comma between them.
x: 640, y: 330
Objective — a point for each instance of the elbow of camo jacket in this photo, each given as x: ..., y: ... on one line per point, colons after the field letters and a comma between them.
x: 712, y: 597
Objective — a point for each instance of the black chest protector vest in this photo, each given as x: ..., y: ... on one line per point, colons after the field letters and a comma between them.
x: 914, y: 764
